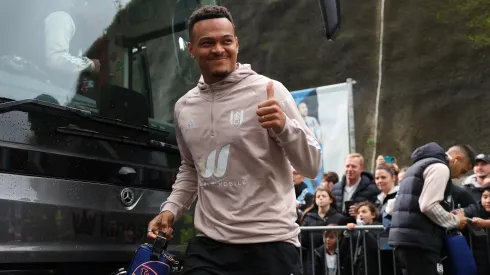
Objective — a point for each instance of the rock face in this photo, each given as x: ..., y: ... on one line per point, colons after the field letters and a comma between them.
x: 435, y: 73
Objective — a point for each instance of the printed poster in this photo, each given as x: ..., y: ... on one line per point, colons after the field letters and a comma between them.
x: 328, y: 112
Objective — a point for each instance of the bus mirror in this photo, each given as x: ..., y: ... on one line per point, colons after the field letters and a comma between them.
x: 331, y: 17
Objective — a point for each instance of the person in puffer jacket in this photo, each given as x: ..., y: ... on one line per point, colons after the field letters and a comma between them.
x: 355, y: 187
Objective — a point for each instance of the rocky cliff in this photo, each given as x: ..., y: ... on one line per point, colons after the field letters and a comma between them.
x: 434, y: 73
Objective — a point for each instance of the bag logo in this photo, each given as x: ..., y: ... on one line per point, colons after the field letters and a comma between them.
x: 440, y: 269
x: 152, y: 268
x: 212, y: 166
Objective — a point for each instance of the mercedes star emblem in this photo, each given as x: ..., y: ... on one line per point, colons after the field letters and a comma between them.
x: 127, y: 196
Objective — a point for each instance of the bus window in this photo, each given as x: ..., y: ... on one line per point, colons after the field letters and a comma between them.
x: 88, y: 54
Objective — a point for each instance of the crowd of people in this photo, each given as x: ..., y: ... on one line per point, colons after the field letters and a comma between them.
x: 417, y: 206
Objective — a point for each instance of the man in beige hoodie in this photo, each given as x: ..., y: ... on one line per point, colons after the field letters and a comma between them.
x: 238, y: 133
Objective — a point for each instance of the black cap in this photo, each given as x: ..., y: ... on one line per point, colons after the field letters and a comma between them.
x: 483, y: 157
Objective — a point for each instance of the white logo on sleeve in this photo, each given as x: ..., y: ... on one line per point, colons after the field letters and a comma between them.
x: 215, y: 166
x: 236, y: 118
x: 191, y: 124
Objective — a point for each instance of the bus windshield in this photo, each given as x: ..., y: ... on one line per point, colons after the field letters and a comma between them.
x: 120, y: 59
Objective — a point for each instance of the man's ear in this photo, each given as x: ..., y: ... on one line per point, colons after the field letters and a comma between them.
x: 189, y: 48
x: 459, y: 158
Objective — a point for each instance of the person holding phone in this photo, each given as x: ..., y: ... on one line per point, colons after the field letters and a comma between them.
x: 355, y: 187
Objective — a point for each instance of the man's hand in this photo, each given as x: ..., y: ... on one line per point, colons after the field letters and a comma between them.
x: 96, y: 65
x: 353, y: 210
x: 161, y: 223
x: 457, y: 211
x: 270, y: 112
x: 478, y: 223
x: 462, y: 220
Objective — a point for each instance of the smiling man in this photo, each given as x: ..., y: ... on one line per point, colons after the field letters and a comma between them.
x: 238, y: 133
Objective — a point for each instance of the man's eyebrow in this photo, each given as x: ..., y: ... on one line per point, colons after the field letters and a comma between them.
x: 210, y: 38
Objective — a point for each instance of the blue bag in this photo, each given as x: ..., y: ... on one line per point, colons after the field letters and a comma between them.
x: 459, y: 254
x: 152, y: 259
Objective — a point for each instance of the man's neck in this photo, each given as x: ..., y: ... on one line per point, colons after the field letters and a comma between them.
x: 352, y: 182
x: 211, y: 80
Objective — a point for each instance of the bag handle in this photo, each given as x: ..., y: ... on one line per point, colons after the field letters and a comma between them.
x: 159, y: 246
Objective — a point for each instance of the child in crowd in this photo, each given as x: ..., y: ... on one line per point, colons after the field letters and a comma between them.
x: 365, y: 246
x: 480, y: 219
x: 327, y: 258
x: 321, y: 213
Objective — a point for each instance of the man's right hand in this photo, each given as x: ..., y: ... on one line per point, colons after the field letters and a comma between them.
x: 96, y: 65
x: 161, y: 223
x: 462, y: 220
x: 353, y: 210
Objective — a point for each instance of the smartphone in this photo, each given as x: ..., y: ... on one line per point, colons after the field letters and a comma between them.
x: 475, y: 231
x: 347, y: 205
x: 389, y: 159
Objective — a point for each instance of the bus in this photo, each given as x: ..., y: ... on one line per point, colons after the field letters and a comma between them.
x: 87, y: 144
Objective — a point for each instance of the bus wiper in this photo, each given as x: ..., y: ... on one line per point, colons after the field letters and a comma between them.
x: 29, y: 104
x: 152, y: 144
x: 19, y: 105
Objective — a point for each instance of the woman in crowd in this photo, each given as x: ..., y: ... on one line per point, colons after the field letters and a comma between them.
x: 386, y: 181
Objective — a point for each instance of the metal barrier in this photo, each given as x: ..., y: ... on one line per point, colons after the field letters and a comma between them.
x: 381, y: 237
x: 358, y: 230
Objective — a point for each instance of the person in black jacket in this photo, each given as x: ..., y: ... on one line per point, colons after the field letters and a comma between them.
x: 322, y: 213
x: 480, y: 214
x: 365, y: 247
x: 328, y: 261
x: 356, y: 186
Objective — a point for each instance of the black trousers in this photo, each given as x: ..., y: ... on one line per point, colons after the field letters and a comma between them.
x: 205, y: 256
x: 417, y: 261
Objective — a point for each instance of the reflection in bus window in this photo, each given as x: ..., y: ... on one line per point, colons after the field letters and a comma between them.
x: 110, y: 57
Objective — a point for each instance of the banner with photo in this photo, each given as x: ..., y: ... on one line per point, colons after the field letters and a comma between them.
x: 328, y: 112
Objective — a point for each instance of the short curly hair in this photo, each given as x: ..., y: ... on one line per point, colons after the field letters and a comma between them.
x: 208, y: 12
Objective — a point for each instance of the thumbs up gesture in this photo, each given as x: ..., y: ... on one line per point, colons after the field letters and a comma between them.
x: 270, y: 112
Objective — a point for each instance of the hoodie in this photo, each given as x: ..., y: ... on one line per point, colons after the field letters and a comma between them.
x: 240, y: 171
